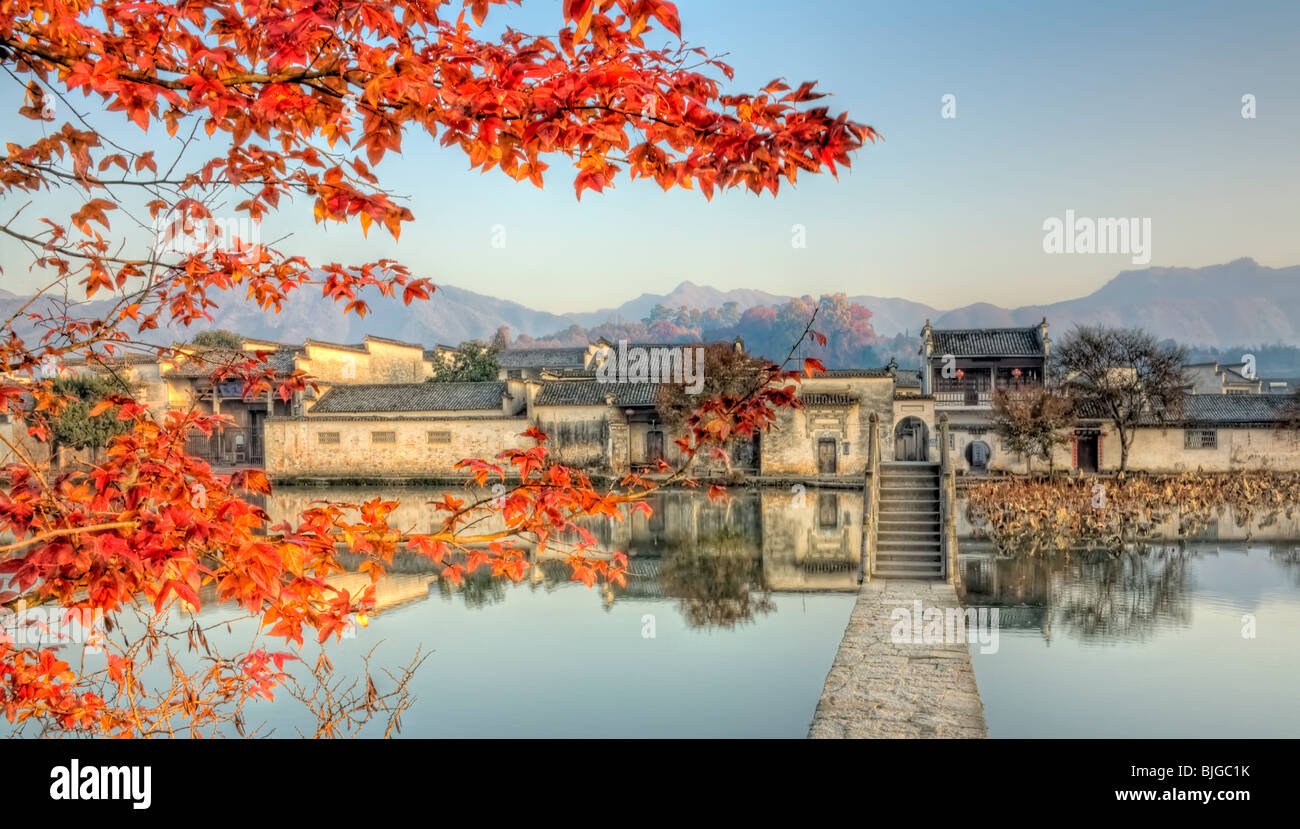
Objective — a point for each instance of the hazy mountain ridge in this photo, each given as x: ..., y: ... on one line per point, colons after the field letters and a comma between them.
x: 1239, y: 302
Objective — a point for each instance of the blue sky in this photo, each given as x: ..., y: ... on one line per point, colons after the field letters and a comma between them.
x: 1114, y: 109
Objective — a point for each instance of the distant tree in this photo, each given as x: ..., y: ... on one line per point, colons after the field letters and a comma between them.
x: 501, y: 339
x: 1122, y: 374
x: 730, y: 313
x: 218, y: 338
x: 658, y: 312
x: 74, y: 426
x: 1031, y: 421
x: 471, y: 362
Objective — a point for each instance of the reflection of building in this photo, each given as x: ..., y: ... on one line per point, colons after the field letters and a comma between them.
x: 1016, y: 586
x: 812, y: 540
x: 1091, y: 597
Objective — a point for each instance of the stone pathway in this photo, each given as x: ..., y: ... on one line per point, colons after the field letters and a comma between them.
x: 876, y: 688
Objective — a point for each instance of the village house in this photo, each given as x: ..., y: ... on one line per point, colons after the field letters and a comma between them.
x: 373, y: 413
x: 529, y: 363
x: 828, y: 436
x: 189, y: 386
x: 1220, y: 378
x: 400, y: 429
x: 1216, y: 432
x: 960, y: 368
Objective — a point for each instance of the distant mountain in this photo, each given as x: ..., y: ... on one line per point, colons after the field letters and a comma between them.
x: 1237, y: 303
x: 451, y: 316
x: 688, y: 294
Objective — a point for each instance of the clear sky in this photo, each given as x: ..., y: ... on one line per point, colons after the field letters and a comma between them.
x: 1112, y: 109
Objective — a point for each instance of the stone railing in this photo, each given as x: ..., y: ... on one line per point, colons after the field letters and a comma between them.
x: 947, y: 504
x: 871, y: 498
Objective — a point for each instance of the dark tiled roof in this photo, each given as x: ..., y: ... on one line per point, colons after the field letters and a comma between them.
x: 204, y: 363
x: 207, y: 361
x: 854, y: 372
x: 987, y: 342
x: 908, y: 379
x: 283, y: 360
x: 411, y: 397
x: 829, y: 399
x: 570, y: 373
x: 542, y: 358
x: 360, y: 348
x: 1229, y: 409
x: 389, y: 341
x: 595, y: 393
x: 1213, y: 410
x: 119, y: 359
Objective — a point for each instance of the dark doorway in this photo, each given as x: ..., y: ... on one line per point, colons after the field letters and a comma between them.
x: 654, y: 446
x: 1086, y: 454
x: 911, y: 440
x: 977, y: 454
x: 828, y: 511
x: 827, y: 456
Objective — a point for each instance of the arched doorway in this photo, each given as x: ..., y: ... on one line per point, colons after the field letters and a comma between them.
x: 911, y: 440
x: 977, y: 454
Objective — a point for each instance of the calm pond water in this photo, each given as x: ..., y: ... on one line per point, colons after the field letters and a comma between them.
x: 1156, y: 644
x: 733, y: 613
x: 727, y: 627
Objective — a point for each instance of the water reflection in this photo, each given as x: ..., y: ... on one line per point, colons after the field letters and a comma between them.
x: 1095, y: 596
x: 720, y: 562
x: 1194, y: 639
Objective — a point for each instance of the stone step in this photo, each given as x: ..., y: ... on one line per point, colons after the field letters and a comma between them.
x: 929, y: 555
x: 922, y: 545
x: 908, y: 572
x: 919, y: 532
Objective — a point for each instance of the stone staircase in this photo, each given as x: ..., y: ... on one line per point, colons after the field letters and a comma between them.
x: 908, y: 530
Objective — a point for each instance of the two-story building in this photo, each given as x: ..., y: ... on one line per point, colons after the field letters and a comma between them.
x: 960, y: 368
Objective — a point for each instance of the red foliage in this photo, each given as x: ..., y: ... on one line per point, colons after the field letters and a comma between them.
x: 303, y: 99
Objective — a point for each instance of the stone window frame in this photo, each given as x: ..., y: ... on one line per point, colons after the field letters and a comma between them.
x: 391, y: 436
x: 438, y: 437
x: 328, y: 438
x: 1200, y: 438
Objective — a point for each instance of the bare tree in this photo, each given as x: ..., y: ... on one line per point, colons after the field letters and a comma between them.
x: 1123, y: 375
x: 1031, y: 420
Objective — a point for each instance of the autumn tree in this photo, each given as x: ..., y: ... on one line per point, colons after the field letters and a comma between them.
x: 1031, y: 420
x: 501, y: 339
x: 1123, y: 375
x: 243, y: 111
